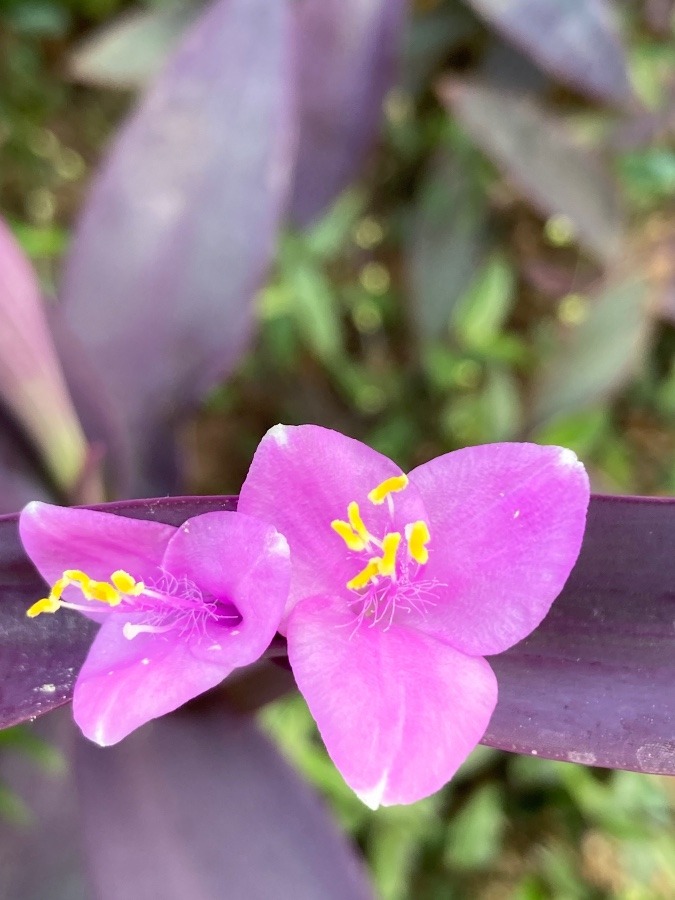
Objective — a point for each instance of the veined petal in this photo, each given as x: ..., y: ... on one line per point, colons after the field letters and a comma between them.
x: 58, y: 538
x: 239, y: 560
x: 125, y: 683
x: 304, y: 477
x: 506, y: 525
x: 398, y: 710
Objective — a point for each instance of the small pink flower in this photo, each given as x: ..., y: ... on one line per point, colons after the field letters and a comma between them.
x: 402, y: 584
x: 180, y: 607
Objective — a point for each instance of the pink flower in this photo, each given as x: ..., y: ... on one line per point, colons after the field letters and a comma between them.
x: 180, y: 607
x: 402, y: 584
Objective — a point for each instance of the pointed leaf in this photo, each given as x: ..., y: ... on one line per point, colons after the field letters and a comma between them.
x: 347, y: 58
x: 128, y: 51
x: 597, y: 356
x: 450, y: 237
x: 577, y: 41
x: 180, y: 225
x: 553, y: 171
x: 32, y: 386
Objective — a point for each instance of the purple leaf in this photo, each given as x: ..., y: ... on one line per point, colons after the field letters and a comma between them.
x: 553, y: 171
x: 181, y: 223
x: 193, y: 806
x: 347, y: 58
x: 592, y: 683
x: 575, y: 41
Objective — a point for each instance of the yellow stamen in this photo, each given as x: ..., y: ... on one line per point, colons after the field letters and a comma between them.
x: 364, y: 576
x: 75, y: 576
x: 59, y: 587
x: 351, y: 539
x: 390, y: 486
x: 126, y: 583
x: 46, y: 605
x: 356, y: 522
x: 387, y: 564
x: 101, y: 590
x: 417, y: 535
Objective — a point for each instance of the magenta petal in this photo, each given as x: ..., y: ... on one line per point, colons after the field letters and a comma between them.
x: 58, y: 538
x: 398, y: 710
x: 506, y: 525
x: 245, y: 564
x: 301, y: 479
x: 125, y: 683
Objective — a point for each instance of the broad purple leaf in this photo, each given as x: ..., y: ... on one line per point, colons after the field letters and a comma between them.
x: 576, y: 40
x: 554, y: 172
x: 203, y: 806
x: 347, y: 59
x: 180, y: 225
x: 593, y: 683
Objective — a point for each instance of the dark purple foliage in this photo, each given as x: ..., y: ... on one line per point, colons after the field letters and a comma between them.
x: 593, y: 683
x: 575, y: 40
x: 348, y: 52
x: 181, y: 222
x: 205, y: 807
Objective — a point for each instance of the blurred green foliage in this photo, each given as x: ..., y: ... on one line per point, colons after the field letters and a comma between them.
x: 432, y: 307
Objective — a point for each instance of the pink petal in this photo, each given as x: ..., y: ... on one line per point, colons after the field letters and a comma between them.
x: 239, y: 560
x: 398, y: 710
x: 125, y: 683
x: 301, y: 479
x: 506, y: 524
x: 58, y: 538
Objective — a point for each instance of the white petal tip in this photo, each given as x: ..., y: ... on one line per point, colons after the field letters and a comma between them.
x: 568, y: 458
x: 279, y: 434
x: 373, y: 797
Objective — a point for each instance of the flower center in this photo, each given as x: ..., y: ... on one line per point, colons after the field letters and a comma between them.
x: 390, y: 577
x: 164, y: 605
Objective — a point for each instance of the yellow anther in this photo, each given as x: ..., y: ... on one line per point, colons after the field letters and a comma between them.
x: 59, y: 587
x: 351, y: 539
x: 101, y: 590
x: 389, y: 486
x: 356, y: 522
x: 75, y: 576
x: 364, y: 576
x: 46, y: 605
x: 126, y: 583
x: 387, y: 564
x: 417, y: 535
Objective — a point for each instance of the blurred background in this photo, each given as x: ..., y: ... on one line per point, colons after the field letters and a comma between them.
x: 501, y: 267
